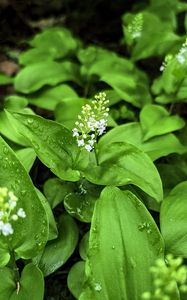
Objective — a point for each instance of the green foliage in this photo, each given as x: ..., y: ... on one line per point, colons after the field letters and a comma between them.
x: 114, y: 256
x: 124, y: 194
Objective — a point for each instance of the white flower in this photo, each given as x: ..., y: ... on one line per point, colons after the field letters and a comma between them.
x: 75, y: 132
x: 12, y: 203
x: 88, y: 148
x: 21, y: 213
x: 80, y: 143
x: 7, y: 211
x: 92, y: 123
x: 7, y: 229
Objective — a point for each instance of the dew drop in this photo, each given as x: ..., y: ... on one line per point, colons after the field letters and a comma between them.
x: 30, y: 121
x: 113, y: 247
x: 98, y: 287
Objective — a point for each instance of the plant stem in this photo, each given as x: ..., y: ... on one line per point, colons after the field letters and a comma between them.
x: 76, y: 159
x: 14, y: 266
x: 96, y: 155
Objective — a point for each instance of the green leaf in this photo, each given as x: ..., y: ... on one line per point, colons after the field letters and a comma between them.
x: 68, y: 109
x: 31, y: 284
x: 81, y: 204
x: 53, y: 144
x: 117, y: 266
x: 5, y: 80
x: 155, y: 120
x: 56, y: 41
x: 4, y: 254
x: 30, y: 233
x: 76, y: 278
x: 132, y: 134
x: 83, y: 246
x: 121, y: 164
x: 48, y: 98
x: 57, y: 252
x: 27, y: 157
x: 55, y: 190
x: 150, y: 42
x: 35, y: 76
x: 8, y: 127
x: 53, y: 231
x: 173, y: 219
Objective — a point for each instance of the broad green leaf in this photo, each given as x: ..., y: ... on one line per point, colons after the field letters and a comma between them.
x: 155, y: 120
x: 120, y: 164
x: 5, y: 80
x: 4, y: 254
x: 126, y: 86
x: 53, y: 231
x: 8, y: 129
x: 27, y: 157
x: 7, y: 283
x: 35, y: 55
x: 132, y: 134
x: 173, y: 219
x: 56, y: 41
x: 83, y: 246
x: 30, y: 233
x: 76, y: 277
x: 15, y: 103
x: 31, y: 284
x: 33, y: 77
x: 118, y: 265
x: 57, y: 252
x: 150, y: 42
x: 53, y: 144
x: 55, y: 190
x: 48, y: 98
x: 80, y: 204
x: 68, y: 109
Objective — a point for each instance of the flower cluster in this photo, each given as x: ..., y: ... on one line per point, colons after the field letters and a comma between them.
x: 8, y: 211
x: 182, y: 54
x: 181, y: 57
x: 135, y: 27
x: 167, y: 276
x: 166, y: 62
x: 92, y: 122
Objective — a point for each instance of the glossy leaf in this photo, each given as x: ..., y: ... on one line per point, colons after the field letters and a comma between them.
x: 30, y: 233
x: 27, y: 157
x: 83, y: 246
x: 76, y: 277
x: 34, y: 76
x: 155, y: 147
x: 155, y: 120
x: 173, y: 219
x: 57, y: 252
x: 53, y: 144
x: 55, y: 190
x: 56, y: 40
x: 117, y: 266
x: 48, y: 98
x: 122, y: 164
x: 31, y: 277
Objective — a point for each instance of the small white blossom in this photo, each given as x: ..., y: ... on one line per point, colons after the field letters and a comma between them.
x: 80, y: 143
x: 7, y: 229
x: 134, y: 29
x: 88, y: 148
x: 93, y: 122
x: 8, y: 203
x: 182, y: 55
x: 21, y: 213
